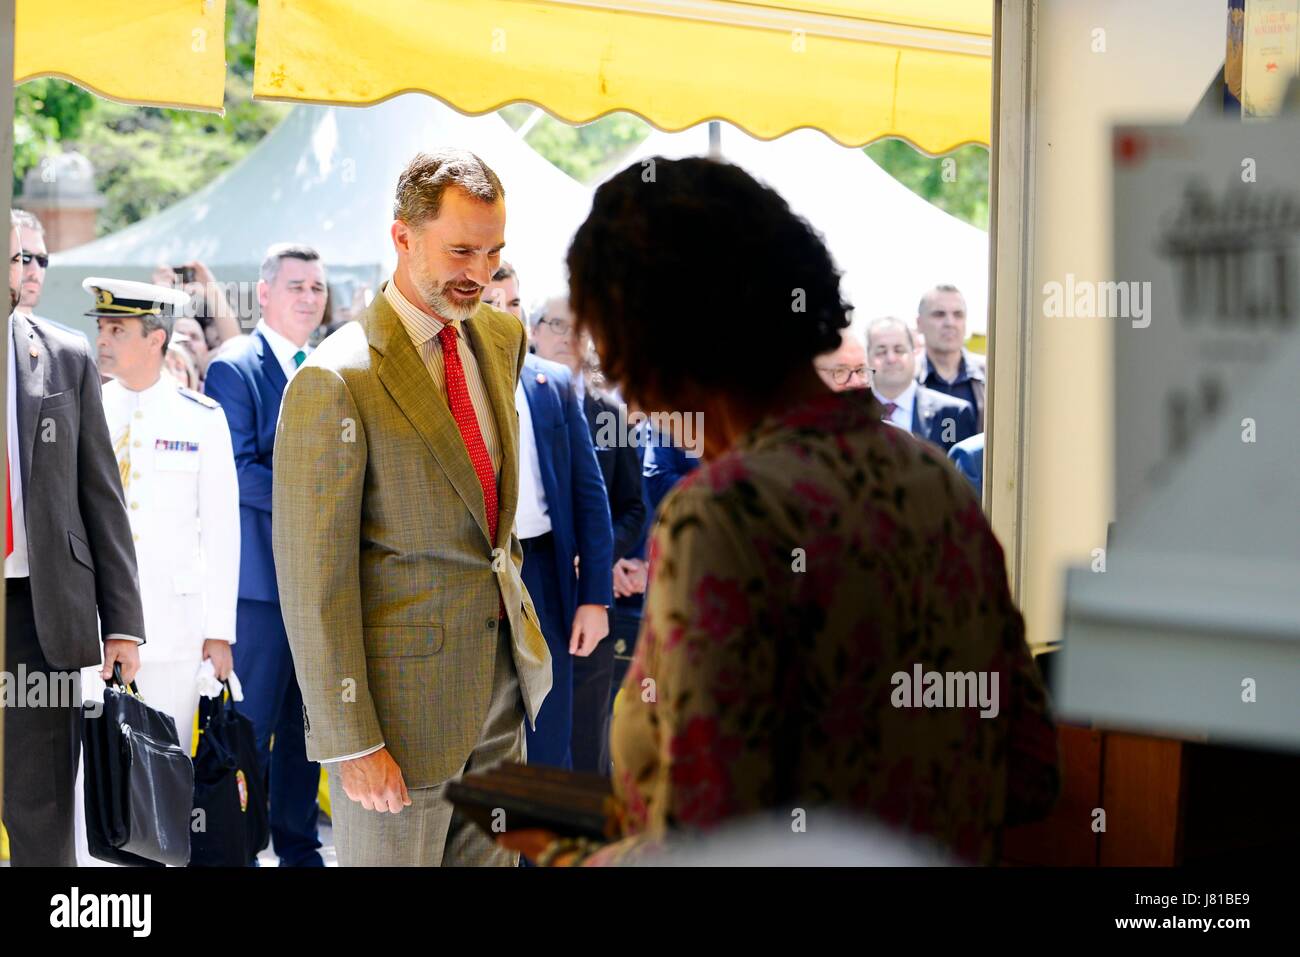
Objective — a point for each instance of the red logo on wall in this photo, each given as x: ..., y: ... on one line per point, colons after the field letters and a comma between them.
x: 1130, y: 148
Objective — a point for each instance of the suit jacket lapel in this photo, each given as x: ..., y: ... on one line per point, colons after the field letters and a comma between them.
x: 32, y: 365
x: 920, y: 414
x: 494, y: 365
x: 274, y: 371
x: 402, y: 372
x: 540, y: 408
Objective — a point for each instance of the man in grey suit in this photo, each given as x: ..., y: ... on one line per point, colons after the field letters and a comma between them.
x: 68, y: 555
x: 396, y: 479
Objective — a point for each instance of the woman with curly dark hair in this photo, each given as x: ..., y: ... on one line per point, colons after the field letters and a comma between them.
x: 819, y: 581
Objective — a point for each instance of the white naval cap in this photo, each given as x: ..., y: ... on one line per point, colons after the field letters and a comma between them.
x: 116, y: 298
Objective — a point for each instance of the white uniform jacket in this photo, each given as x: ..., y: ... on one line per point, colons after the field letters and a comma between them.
x: 182, y: 496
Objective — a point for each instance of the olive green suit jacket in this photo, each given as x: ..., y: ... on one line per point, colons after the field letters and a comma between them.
x: 388, y: 583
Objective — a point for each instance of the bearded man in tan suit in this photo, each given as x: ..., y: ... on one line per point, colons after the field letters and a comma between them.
x: 395, y: 482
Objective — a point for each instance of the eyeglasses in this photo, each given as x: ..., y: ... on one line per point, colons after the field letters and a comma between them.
x: 561, y: 327
x: 841, y: 375
x: 42, y: 260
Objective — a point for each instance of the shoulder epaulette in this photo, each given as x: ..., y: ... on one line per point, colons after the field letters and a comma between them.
x: 200, y: 398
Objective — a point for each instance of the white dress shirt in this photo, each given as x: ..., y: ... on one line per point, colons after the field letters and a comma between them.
x: 532, y: 517
x: 902, y: 415
x: 282, y: 349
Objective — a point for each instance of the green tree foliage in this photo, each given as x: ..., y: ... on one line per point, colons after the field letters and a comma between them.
x: 957, y: 182
x: 586, y: 152
x: 146, y: 159
x: 46, y: 112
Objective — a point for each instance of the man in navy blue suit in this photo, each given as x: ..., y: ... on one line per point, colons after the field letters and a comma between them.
x: 248, y: 381
x: 926, y: 413
x: 619, y: 457
x: 563, y: 515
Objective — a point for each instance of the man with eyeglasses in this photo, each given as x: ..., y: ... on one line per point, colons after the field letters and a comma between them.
x: 34, y: 260
x: 846, y: 367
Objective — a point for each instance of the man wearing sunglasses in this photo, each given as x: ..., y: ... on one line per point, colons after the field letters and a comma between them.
x: 72, y: 596
x: 33, y: 260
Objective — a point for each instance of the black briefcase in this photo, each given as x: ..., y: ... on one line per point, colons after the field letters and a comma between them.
x: 139, y: 783
x: 231, y: 823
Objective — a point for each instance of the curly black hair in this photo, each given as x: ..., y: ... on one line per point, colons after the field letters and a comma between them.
x: 692, y: 277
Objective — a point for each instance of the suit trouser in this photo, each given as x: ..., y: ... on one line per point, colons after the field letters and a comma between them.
x: 273, y: 702
x: 550, y: 743
x: 431, y: 832
x: 42, y: 745
x: 592, y: 680
x: 166, y: 686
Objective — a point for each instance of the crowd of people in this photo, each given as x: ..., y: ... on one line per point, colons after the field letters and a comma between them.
x: 411, y: 545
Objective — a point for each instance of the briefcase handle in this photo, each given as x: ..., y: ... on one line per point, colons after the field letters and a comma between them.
x: 223, y: 704
x: 117, y: 680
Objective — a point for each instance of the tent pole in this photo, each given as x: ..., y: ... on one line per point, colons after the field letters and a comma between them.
x: 527, y: 125
x: 6, y: 191
x: 715, y: 139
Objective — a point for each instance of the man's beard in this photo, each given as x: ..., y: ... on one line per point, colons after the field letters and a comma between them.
x: 438, y: 298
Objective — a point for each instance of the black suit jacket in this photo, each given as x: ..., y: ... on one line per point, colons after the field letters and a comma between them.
x: 621, y: 468
x: 78, y: 536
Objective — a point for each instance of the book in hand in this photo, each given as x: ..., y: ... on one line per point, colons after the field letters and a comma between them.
x: 518, y: 797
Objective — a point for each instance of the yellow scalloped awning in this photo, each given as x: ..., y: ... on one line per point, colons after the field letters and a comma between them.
x: 145, y: 52
x: 858, y: 70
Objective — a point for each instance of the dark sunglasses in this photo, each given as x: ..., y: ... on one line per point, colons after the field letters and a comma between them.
x: 42, y: 260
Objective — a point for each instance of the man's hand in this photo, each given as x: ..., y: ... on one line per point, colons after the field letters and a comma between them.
x: 223, y: 662
x: 590, y: 624
x: 375, y: 782
x: 629, y: 577
x: 124, y: 652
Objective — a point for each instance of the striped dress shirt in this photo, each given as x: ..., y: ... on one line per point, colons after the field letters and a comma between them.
x: 423, y: 330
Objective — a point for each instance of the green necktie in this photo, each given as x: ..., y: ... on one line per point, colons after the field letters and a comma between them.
x: 298, y: 358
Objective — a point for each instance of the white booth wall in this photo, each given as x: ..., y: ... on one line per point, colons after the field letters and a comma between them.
x: 1159, y: 57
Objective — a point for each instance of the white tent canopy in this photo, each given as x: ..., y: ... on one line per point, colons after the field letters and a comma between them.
x: 326, y: 177
x: 891, y: 244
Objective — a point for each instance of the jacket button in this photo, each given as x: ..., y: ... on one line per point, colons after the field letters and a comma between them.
x: 492, y: 624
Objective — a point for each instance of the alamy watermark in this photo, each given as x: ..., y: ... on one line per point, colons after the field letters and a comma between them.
x: 683, y: 430
x: 44, y: 689
x: 946, y: 689
x: 1084, y: 299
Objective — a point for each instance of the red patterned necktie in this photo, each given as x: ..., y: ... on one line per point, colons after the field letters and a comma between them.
x: 889, y: 410
x: 462, y: 410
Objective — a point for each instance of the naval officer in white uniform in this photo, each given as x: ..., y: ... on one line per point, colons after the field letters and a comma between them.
x: 182, y: 494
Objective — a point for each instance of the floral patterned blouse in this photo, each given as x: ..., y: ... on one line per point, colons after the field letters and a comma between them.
x: 792, y: 580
